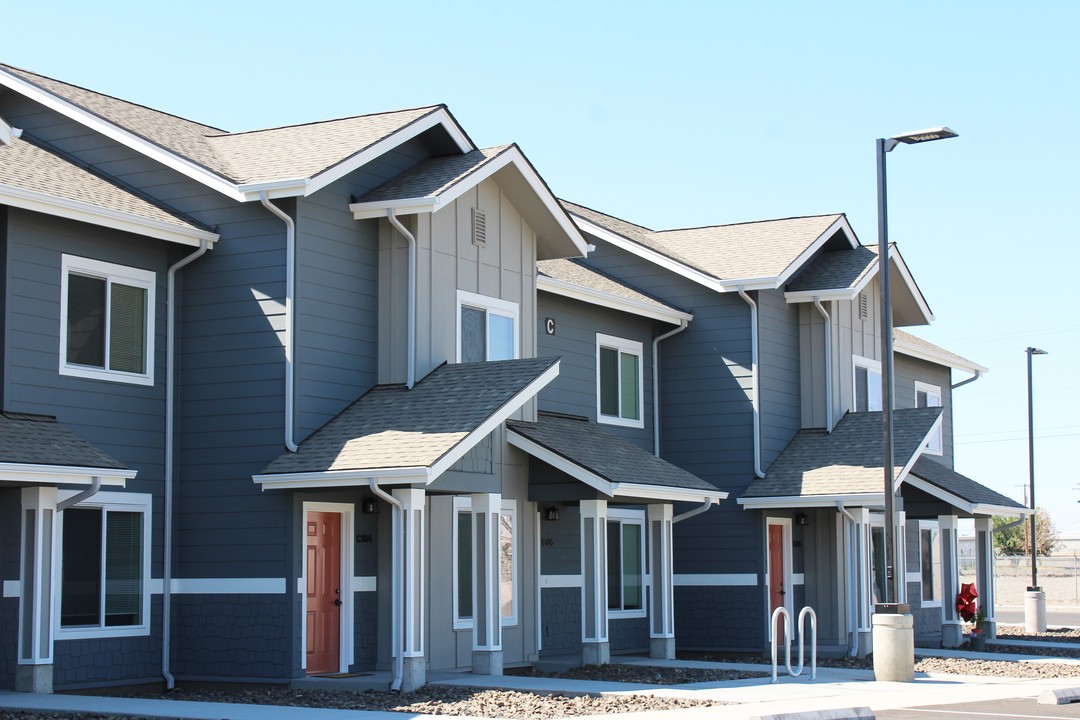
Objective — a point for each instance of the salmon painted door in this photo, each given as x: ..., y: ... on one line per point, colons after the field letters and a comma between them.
x: 323, y: 592
x: 777, y: 591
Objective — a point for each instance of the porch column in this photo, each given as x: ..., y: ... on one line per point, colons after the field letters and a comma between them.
x: 861, y: 548
x: 34, y: 671
x: 412, y: 624
x: 661, y: 594
x: 594, y: 602
x: 487, y: 655
x: 984, y: 572
x: 901, y: 554
x: 951, y: 632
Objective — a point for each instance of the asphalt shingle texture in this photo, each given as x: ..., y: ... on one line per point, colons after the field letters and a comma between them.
x: 393, y: 427
x: 434, y: 176
x: 836, y: 270
x: 575, y: 272
x: 846, y: 461
x: 964, y: 487
x: 931, y: 347
x: 40, y: 440
x: 589, y: 446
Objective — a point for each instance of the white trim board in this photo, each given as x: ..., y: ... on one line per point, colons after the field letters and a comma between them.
x: 561, y: 581
x: 716, y: 580
x: 221, y: 586
x: 58, y: 474
x: 12, y: 588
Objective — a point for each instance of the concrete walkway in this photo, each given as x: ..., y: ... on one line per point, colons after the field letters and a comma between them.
x: 833, y: 688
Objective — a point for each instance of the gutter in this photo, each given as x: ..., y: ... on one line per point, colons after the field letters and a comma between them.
x: 656, y: 382
x: 170, y: 422
x: 397, y: 637
x: 828, y: 366
x: 756, y: 394
x: 290, y: 310
x: 411, y: 329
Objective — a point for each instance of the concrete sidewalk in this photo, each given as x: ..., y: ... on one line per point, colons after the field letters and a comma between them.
x: 833, y: 688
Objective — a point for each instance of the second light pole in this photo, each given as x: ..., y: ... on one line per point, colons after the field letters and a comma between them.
x: 1035, y: 598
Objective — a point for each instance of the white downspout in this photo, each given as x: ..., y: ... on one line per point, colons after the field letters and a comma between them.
x: 397, y: 637
x: 978, y: 374
x: 290, y: 311
x: 855, y: 615
x: 411, y: 329
x: 828, y: 366
x: 95, y: 485
x: 709, y: 502
x: 170, y: 421
x: 656, y: 383
x: 756, y: 396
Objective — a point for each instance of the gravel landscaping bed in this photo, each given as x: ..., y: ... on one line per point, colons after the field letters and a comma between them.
x: 1017, y: 632
x: 646, y: 674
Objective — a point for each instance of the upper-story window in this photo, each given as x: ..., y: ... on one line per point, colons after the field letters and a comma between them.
x: 867, y: 384
x: 105, y: 320
x: 619, y: 381
x: 927, y: 395
x: 487, y: 328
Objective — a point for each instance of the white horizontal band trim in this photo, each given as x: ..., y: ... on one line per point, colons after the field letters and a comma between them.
x: 12, y: 588
x: 716, y: 580
x: 366, y: 583
x: 914, y: 577
x: 221, y: 586
x: 798, y: 579
x: 560, y: 581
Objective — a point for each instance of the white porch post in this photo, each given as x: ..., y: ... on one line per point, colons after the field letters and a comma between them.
x: 661, y: 594
x: 863, y: 578
x: 34, y: 671
x: 951, y: 632
x: 413, y: 503
x: 487, y: 656
x: 595, y: 649
x: 901, y: 555
x: 984, y: 571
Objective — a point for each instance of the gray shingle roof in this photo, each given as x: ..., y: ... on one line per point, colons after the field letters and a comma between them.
x: 575, y: 272
x: 26, y: 166
x: 434, y: 176
x: 285, y: 153
x: 587, y: 445
x: 393, y: 427
x: 40, y: 440
x: 846, y: 461
x: 836, y: 270
x: 964, y: 487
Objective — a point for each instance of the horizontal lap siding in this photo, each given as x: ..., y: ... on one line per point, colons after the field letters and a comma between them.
x: 908, y: 370
x: 778, y: 357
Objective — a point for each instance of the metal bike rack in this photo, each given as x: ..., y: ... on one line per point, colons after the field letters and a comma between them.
x: 782, y: 611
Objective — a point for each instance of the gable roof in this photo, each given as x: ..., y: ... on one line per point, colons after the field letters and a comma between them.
x: 606, y: 462
x: 285, y: 161
x: 913, y: 346
x: 962, y: 492
x: 836, y: 270
x: 36, y: 448
x: 574, y: 279
x: 35, y: 178
x: 412, y: 436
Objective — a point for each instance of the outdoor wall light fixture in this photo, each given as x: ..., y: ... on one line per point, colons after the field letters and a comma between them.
x: 552, y: 513
x: 369, y: 507
x: 801, y: 520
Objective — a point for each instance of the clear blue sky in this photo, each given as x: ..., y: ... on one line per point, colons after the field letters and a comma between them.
x: 677, y: 114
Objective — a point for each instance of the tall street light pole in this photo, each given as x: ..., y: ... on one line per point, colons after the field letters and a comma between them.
x: 1033, y: 617
x: 895, y: 658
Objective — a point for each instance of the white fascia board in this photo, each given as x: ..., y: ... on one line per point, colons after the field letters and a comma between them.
x: 808, y: 296
x: 402, y: 206
x: 104, y: 217
x: 495, y: 420
x: 438, y: 117
x: 597, y: 297
x: 560, y: 463
x: 124, y: 137
x: 658, y: 492
x: 63, y: 475
x: 813, y: 501
x: 649, y: 254
x: 906, y: 470
x: 343, y: 478
x: 760, y: 283
x: 923, y: 353
x: 944, y: 495
x: 292, y: 187
x: 905, y: 273
x: 840, y: 223
x: 1003, y: 510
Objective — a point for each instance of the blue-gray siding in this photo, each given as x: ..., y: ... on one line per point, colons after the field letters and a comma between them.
x: 778, y: 369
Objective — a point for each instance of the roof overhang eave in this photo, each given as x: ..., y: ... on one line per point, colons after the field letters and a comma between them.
x: 344, y: 478
x: 603, y: 299
x: 876, y: 499
x: 291, y: 187
x: 104, y: 217
x: 923, y: 353
x: 671, y: 494
x: 400, y: 206
x: 63, y: 474
x: 839, y: 225
x: 1001, y: 510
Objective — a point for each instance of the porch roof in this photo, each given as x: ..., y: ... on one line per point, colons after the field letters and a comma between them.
x: 962, y: 491
x: 395, y: 434
x: 606, y: 462
x: 37, y: 449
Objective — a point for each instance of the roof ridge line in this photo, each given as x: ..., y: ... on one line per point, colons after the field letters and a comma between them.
x: 430, y: 108
x: 750, y: 222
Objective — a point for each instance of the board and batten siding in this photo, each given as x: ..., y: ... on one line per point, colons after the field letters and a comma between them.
x: 908, y: 371
x: 577, y: 324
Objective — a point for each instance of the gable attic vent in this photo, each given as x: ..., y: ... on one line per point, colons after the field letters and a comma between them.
x: 864, y: 310
x: 479, y: 228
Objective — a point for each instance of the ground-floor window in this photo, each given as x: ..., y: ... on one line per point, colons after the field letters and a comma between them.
x: 104, y: 564
x: 626, y: 563
x: 464, y: 540
x: 930, y: 562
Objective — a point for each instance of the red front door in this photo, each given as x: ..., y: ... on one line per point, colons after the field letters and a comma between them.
x: 323, y: 592
x: 777, y: 591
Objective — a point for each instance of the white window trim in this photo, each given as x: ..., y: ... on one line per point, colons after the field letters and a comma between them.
x: 935, y: 537
x: 633, y: 517
x: 509, y: 507
x: 932, y: 391
x: 490, y: 306
x: 108, y: 501
x: 630, y: 347
x: 110, y: 272
x: 858, y: 361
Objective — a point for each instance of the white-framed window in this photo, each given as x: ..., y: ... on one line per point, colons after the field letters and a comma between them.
x: 927, y: 395
x: 104, y: 566
x: 619, y: 383
x: 487, y: 328
x: 626, y: 563
x: 930, y: 562
x: 463, y: 542
x: 867, y: 384
x: 106, y: 321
